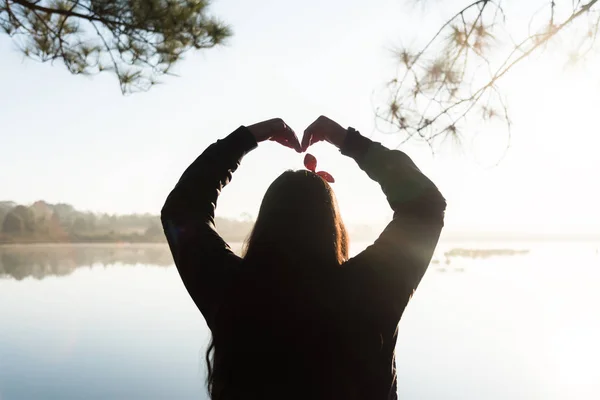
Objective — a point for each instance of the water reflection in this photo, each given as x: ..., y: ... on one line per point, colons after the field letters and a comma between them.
x: 119, y: 324
x: 41, y: 261
x: 484, y: 253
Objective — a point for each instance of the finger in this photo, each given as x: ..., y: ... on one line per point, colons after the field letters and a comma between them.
x: 314, y: 138
x: 296, y: 144
x: 309, y: 139
x: 308, y: 133
x: 293, y: 139
x: 305, y: 140
x: 285, y: 142
x: 287, y: 137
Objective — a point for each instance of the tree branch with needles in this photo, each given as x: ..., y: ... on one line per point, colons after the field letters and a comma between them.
x: 432, y: 95
x: 138, y: 40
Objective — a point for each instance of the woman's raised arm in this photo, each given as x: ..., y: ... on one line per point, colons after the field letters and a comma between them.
x: 204, y: 260
x: 392, y: 267
x: 387, y: 272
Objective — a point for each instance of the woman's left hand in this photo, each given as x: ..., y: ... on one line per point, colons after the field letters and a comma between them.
x: 277, y: 130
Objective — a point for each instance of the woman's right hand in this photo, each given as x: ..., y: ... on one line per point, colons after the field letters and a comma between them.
x: 276, y: 130
x: 324, y: 129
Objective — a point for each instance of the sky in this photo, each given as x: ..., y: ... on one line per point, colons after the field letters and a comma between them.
x: 78, y: 140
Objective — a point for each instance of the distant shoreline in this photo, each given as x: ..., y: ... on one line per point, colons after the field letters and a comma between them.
x: 519, y: 237
x: 240, y: 239
x: 87, y: 244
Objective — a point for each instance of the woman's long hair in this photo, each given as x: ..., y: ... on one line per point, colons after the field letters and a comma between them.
x: 299, y: 221
x: 298, y: 228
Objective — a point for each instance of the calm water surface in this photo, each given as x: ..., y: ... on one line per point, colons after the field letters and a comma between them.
x: 115, y: 322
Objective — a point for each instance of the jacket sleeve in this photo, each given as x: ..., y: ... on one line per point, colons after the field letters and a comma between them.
x: 205, y: 262
x: 389, y: 271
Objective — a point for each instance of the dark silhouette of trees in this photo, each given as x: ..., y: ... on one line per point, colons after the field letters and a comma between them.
x: 155, y: 229
x: 137, y: 40
x: 456, y: 74
x: 5, y: 207
x: 44, y: 222
x: 19, y: 221
x: 13, y: 224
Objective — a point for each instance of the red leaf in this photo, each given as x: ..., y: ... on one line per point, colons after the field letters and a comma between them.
x: 310, y: 162
x: 327, y: 176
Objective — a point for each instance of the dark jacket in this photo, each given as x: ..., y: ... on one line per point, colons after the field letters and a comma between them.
x: 329, y: 333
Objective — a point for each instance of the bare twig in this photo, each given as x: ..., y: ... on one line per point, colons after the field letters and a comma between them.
x: 447, y: 99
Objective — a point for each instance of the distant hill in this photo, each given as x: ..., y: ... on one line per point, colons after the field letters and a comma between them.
x: 42, y: 222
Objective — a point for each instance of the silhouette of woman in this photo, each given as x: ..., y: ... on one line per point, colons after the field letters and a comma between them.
x: 295, y: 317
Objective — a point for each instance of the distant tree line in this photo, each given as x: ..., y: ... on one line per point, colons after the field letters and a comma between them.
x: 56, y: 223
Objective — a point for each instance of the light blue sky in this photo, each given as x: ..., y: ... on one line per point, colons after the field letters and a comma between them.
x: 78, y: 140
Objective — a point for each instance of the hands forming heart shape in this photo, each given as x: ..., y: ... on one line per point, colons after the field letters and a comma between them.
x: 323, y: 129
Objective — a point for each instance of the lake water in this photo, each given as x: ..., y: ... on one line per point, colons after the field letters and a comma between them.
x: 115, y: 322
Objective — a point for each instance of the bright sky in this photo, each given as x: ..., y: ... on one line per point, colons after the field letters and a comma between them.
x: 78, y: 140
